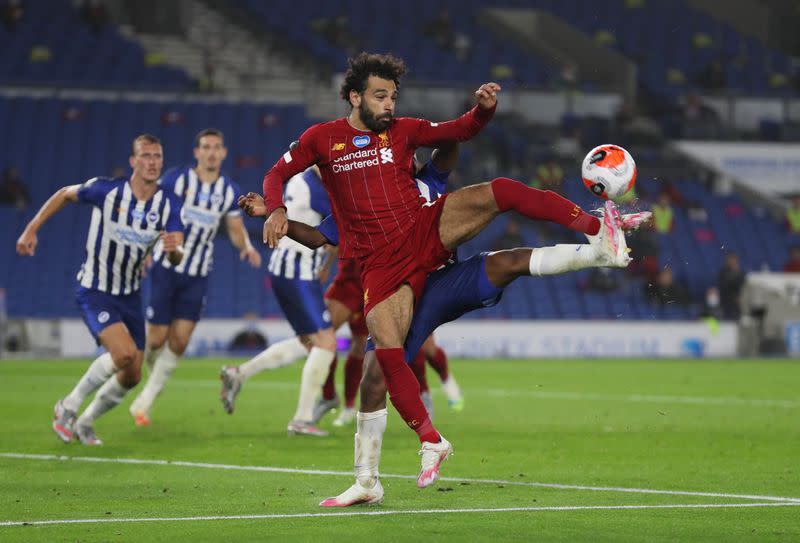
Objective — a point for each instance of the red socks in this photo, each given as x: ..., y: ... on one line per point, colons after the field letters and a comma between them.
x: 439, y: 363
x: 404, y: 393
x: 329, y: 388
x: 418, y: 367
x: 543, y: 205
x: 353, y: 369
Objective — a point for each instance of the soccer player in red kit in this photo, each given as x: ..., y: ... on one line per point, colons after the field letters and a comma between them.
x: 365, y: 161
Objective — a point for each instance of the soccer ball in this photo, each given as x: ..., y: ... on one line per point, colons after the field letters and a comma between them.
x: 608, y: 171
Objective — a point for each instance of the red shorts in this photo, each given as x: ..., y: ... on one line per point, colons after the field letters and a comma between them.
x: 406, y: 262
x: 347, y: 291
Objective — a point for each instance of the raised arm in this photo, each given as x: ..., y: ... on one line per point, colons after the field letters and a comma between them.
x: 428, y: 134
x: 26, y: 244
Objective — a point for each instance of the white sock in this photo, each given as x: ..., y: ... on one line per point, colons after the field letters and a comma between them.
x: 451, y: 388
x: 315, y: 371
x: 368, y: 442
x: 562, y: 259
x: 98, y: 373
x: 150, y: 356
x: 108, y: 397
x: 163, y: 368
x: 275, y: 356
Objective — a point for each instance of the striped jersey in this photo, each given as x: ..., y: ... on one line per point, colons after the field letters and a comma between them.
x: 204, y: 206
x: 306, y: 201
x: 121, y: 232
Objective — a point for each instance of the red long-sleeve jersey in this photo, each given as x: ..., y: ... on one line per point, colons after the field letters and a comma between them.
x: 367, y: 175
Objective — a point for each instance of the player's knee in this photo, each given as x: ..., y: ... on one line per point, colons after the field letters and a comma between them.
x: 130, y: 376
x: 324, y: 339
x: 504, y: 266
x: 178, y: 344
x: 155, y: 345
x: 327, y: 342
x: 516, y: 260
x: 124, y: 357
x: 156, y: 337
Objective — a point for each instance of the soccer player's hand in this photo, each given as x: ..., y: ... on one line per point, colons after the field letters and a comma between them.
x: 253, y: 257
x: 252, y: 204
x: 26, y: 244
x: 171, y: 241
x: 275, y: 227
x: 487, y: 95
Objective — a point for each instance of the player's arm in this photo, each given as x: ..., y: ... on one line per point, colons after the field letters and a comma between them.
x: 241, y: 240
x: 301, y: 155
x: 172, y: 237
x: 26, y: 243
x: 428, y: 134
x: 306, y: 235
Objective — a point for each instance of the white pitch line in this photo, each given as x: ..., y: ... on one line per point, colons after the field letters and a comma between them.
x: 275, y: 469
x: 379, y: 513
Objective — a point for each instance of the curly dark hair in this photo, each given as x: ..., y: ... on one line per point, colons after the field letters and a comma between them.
x: 366, y: 64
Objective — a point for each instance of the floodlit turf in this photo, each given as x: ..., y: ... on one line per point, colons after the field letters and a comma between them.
x: 724, y: 427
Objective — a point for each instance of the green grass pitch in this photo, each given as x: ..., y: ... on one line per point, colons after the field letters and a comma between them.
x: 600, y: 435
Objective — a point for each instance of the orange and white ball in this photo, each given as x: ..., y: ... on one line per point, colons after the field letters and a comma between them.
x: 608, y: 171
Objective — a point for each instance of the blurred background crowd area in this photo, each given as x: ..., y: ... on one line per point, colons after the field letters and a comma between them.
x: 78, y: 79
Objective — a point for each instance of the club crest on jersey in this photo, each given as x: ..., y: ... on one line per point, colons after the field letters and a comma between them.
x: 361, y: 141
x: 216, y: 199
x: 152, y: 217
x: 383, y: 140
x: 103, y: 317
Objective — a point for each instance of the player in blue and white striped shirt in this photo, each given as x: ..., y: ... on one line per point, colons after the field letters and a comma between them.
x: 178, y: 293
x: 293, y: 270
x: 129, y: 217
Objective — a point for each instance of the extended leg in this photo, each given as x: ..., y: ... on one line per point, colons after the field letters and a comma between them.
x: 467, y: 211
